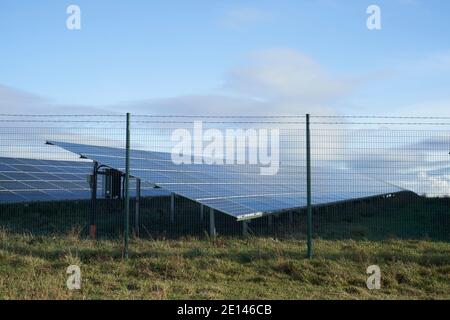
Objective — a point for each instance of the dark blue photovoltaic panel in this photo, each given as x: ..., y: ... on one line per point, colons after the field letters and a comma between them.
x: 24, y: 168
x: 11, y: 161
x: 26, y: 180
x: 46, y: 176
x: 5, y: 167
x: 238, y: 190
x: 14, y: 185
x: 18, y: 176
x: 36, y: 195
x: 7, y: 196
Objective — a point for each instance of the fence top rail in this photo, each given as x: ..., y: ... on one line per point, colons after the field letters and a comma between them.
x: 330, y: 120
x: 285, y: 116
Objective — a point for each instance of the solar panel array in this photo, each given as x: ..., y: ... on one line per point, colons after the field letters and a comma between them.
x: 29, y: 180
x: 238, y: 190
x: 43, y: 180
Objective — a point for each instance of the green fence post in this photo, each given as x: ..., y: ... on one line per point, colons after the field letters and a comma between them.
x: 127, y: 188
x: 137, y: 209
x: 308, y: 188
x: 93, y: 183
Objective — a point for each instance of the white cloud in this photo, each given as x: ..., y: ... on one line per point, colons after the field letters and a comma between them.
x: 270, y: 82
x: 414, y: 160
x: 22, y: 138
x: 287, y: 73
x: 14, y: 100
x: 195, y: 105
x: 433, y: 63
x: 430, y: 108
x: 244, y: 17
x: 222, y: 105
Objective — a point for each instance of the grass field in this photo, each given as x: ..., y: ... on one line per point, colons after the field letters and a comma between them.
x: 408, y: 237
x: 34, y: 267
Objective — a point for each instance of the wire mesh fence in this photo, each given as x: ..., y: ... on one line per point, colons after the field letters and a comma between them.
x: 371, y: 177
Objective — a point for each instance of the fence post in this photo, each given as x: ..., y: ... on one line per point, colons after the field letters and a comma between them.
x: 127, y: 188
x: 212, y: 224
x: 308, y: 188
x: 172, y: 207
x: 93, y: 182
x: 138, y: 207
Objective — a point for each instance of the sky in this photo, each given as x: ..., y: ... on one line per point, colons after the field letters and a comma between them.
x: 225, y: 57
x: 230, y: 57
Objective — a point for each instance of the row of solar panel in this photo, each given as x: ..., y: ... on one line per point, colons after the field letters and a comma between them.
x: 239, y: 190
x: 28, y: 180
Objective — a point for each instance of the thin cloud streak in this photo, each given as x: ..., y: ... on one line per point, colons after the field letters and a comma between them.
x: 242, y: 18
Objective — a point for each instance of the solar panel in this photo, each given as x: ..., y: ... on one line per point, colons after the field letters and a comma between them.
x: 26, y: 180
x: 238, y: 190
x: 29, y: 180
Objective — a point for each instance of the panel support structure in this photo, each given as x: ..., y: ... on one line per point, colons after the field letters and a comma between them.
x: 270, y: 222
x: 245, y: 228
x: 93, y: 185
x: 172, y: 207
x: 308, y: 188
x: 212, y: 224
x: 138, y: 207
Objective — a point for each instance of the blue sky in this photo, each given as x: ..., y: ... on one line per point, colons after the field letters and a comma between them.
x: 211, y: 56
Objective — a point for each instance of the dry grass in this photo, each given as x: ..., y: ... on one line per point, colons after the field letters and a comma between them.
x: 257, y: 268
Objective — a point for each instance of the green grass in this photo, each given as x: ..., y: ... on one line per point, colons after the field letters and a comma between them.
x: 33, y: 267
